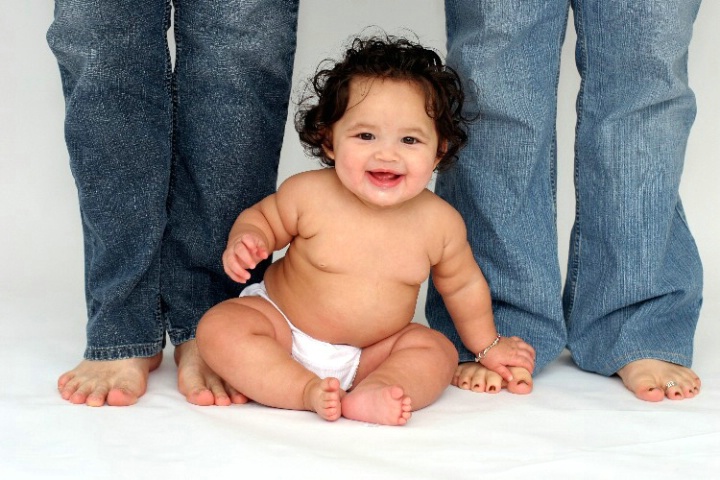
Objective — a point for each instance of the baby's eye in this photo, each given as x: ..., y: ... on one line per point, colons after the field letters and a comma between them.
x: 366, y: 136
x: 410, y: 140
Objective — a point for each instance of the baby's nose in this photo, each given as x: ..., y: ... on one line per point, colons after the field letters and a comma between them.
x: 387, y: 152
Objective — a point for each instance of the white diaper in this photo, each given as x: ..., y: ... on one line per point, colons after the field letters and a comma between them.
x: 322, y: 358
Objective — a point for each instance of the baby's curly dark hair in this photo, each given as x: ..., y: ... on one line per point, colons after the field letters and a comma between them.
x: 386, y: 57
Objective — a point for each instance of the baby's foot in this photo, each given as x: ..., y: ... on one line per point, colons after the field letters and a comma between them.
x: 652, y: 380
x: 473, y: 376
x: 323, y: 396
x: 115, y: 382
x: 381, y: 404
x: 200, y: 385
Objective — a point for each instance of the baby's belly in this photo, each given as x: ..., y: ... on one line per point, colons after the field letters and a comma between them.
x: 343, y: 309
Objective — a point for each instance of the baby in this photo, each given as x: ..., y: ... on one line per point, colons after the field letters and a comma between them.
x: 330, y: 328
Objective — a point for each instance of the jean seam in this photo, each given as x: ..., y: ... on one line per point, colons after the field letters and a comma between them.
x: 574, y: 261
x: 170, y: 86
x: 553, y: 151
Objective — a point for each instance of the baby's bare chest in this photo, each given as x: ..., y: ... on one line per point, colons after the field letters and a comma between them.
x: 375, y: 254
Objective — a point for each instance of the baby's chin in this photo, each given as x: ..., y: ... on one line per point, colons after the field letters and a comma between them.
x: 386, y: 198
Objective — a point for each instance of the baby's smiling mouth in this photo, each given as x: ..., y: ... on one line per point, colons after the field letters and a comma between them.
x: 384, y: 178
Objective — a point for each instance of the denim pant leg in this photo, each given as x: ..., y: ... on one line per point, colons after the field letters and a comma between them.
x: 115, y: 71
x: 231, y: 89
x: 508, y: 53
x: 634, y: 285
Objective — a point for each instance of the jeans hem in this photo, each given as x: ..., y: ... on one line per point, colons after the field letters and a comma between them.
x: 180, y: 336
x: 123, y: 352
x: 613, y: 366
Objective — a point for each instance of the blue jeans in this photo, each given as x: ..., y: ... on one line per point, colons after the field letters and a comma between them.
x: 634, y: 281
x: 165, y: 160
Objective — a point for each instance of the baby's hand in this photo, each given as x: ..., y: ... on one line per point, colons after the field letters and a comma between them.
x: 243, y: 254
x: 509, y: 352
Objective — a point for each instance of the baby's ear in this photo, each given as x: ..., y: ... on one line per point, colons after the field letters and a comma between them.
x: 329, y: 152
x: 327, y: 145
x: 441, y: 151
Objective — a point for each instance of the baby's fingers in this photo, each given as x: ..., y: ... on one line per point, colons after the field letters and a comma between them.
x: 242, y: 255
x: 234, y: 270
x: 244, y: 258
x: 524, y: 360
x: 522, y: 354
x: 523, y: 345
x: 253, y: 250
x: 504, y: 372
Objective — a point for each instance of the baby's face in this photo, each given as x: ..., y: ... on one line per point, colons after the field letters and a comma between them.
x: 385, y: 145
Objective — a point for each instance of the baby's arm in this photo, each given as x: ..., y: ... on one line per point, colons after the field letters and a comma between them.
x: 466, y: 295
x: 257, y: 232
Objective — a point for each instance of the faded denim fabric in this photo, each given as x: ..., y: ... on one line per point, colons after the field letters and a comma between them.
x: 634, y: 283
x: 165, y: 160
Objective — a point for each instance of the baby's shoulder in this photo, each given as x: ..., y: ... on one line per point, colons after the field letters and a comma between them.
x: 306, y: 183
x: 439, y: 209
x: 308, y: 178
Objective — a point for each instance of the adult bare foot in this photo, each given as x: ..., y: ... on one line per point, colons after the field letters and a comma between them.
x: 323, y: 396
x: 653, y: 380
x: 115, y: 382
x: 380, y: 404
x: 522, y: 382
x: 200, y: 385
x: 473, y: 376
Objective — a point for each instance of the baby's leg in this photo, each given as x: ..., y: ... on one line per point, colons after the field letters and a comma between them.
x: 475, y: 377
x: 247, y: 342
x: 115, y: 382
x: 653, y: 380
x: 402, y: 373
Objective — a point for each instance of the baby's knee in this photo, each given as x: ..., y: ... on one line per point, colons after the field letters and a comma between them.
x: 446, y: 345
x: 448, y: 349
x: 207, y: 328
x: 214, y: 322
x: 432, y: 339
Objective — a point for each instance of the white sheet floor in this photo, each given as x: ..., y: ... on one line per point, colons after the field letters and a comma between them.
x: 574, y: 425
